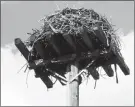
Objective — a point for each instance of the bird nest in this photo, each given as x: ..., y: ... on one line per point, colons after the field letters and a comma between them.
x: 72, y: 22
x: 70, y: 35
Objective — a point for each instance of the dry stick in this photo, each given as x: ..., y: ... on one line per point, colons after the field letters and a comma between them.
x: 22, y: 67
x: 27, y: 78
x: 76, y: 76
x: 95, y: 84
x: 55, y: 74
x: 116, y: 73
x: 26, y: 68
x: 86, y: 77
x: 81, y: 72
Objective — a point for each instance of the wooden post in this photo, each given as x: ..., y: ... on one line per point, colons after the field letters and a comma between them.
x: 73, y: 86
x: 22, y: 48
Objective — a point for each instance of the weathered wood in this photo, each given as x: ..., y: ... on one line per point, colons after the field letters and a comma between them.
x: 22, y: 48
x: 45, y: 51
x: 80, y: 45
x: 87, y: 40
x: 100, y: 34
x: 64, y: 59
x: 109, y: 71
x: 120, y: 61
x: 41, y: 50
x: 56, y: 75
x: 70, y: 40
x: 94, y: 73
x: 60, y: 45
x: 47, y: 81
x: 25, y: 52
x: 74, y: 85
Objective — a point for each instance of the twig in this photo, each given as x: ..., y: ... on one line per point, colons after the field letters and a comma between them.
x: 26, y: 68
x: 116, y: 73
x: 95, y: 84
x: 22, y: 67
x: 27, y: 78
x: 57, y: 75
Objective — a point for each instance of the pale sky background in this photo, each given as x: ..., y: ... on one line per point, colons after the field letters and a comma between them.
x: 18, y: 18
